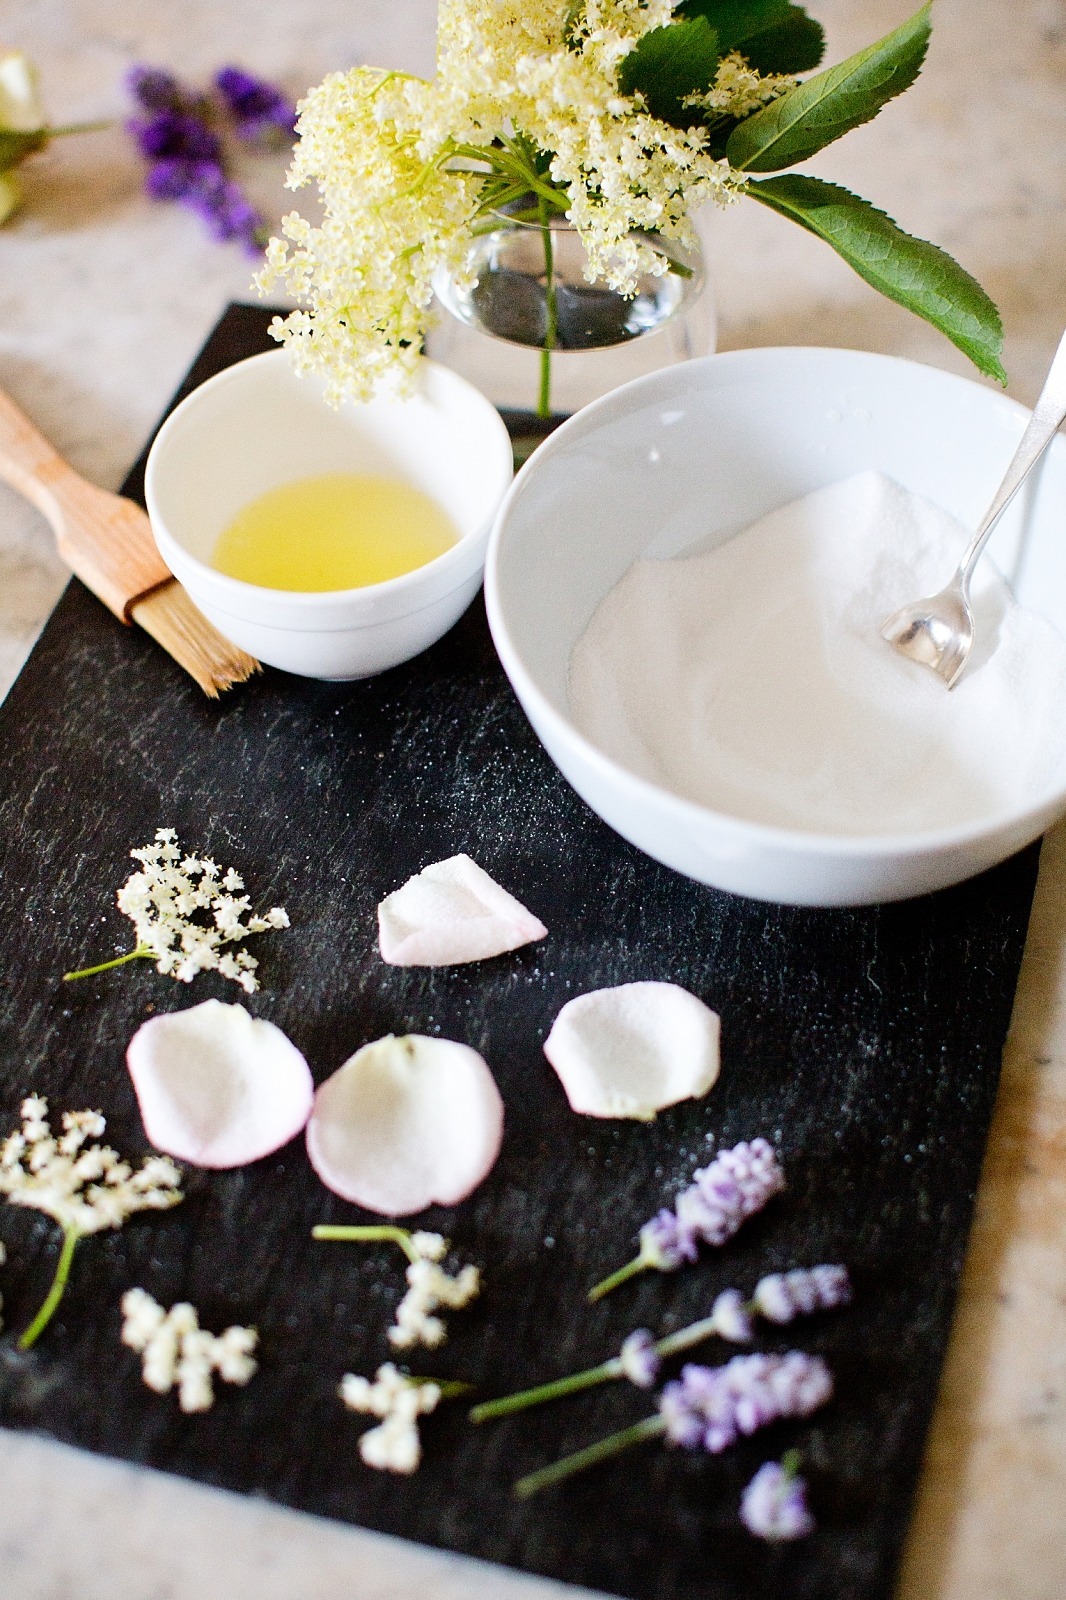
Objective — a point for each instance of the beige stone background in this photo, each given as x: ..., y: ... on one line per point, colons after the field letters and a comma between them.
x: 104, y: 299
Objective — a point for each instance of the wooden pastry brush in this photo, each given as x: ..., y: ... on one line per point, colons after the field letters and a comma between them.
x: 107, y: 542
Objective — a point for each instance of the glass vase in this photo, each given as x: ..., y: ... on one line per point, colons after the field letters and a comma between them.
x: 527, y: 328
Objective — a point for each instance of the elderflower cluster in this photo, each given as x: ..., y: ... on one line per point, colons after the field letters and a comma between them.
x: 185, y: 909
x: 738, y: 90
x: 429, y: 1289
x: 394, y: 1445
x: 84, y: 1187
x: 399, y: 164
x: 175, y: 1350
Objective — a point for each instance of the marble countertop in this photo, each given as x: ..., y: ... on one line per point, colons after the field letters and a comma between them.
x: 106, y: 299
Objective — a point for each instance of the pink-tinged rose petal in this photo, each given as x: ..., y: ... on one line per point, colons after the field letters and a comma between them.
x: 449, y: 913
x: 406, y: 1123
x: 217, y: 1087
x: 632, y: 1050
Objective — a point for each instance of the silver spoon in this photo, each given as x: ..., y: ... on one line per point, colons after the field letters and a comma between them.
x: 938, y: 631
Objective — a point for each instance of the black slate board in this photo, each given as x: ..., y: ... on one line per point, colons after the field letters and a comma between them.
x: 867, y: 1043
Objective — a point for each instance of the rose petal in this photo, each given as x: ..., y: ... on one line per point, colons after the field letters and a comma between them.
x: 452, y: 912
x: 217, y: 1087
x: 406, y: 1123
x: 631, y: 1050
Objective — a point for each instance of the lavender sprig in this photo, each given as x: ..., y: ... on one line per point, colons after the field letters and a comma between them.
x: 709, y: 1408
x: 721, y: 1197
x: 178, y: 138
x: 796, y: 1293
x: 774, y: 1504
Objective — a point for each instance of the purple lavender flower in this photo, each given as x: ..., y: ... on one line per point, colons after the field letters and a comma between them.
x: 720, y: 1198
x: 639, y: 1359
x: 733, y: 1317
x: 785, y: 1295
x: 157, y: 90
x: 175, y: 136
x: 260, y: 111
x: 664, y: 1244
x: 774, y: 1504
x: 710, y: 1406
x: 736, y: 1185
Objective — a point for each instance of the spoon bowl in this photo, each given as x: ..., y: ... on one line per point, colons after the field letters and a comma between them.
x: 936, y: 631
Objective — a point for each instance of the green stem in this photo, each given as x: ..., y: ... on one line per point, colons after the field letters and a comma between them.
x: 685, y: 1338
x: 450, y: 1388
x: 623, y: 1275
x: 79, y: 127
x: 544, y: 409
x: 142, y: 950
x: 55, y: 1293
x: 378, y: 1234
x: 507, y: 1403
x: 591, y: 1456
x: 671, y: 1345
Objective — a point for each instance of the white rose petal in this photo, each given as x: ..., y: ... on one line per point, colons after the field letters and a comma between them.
x: 217, y: 1087
x: 406, y: 1123
x: 452, y: 912
x: 632, y: 1050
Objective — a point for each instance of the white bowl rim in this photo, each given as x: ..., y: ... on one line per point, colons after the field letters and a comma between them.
x: 747, y: 832
x: 458, y: 555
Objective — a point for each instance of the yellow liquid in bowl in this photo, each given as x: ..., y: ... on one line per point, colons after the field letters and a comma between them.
x: 341, y: 530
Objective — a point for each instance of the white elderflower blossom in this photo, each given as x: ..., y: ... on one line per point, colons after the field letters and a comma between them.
x: 185, y: 909
x: 738, y: 90
x: 400, y: 164
x: 429, y: 1287
x: 394, y: 1445
x: 176, y: 1352
x: 84, y: 1187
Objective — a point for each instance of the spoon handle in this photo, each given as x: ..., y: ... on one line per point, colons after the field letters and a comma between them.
x: 1048, y: 414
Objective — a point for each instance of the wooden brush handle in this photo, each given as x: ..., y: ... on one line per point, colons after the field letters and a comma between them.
x: 106, y: 540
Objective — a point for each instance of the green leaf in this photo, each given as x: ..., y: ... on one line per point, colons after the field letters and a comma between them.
x: 15, y: 147
x: 823, y: 108
x: 670, y: 63
x: 795, y: 44
x: 772, y: 35
x: 913, y: 273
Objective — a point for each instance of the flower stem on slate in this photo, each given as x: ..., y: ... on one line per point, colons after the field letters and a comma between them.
x: 554, y: 1390
x: 672, y: 1344
x: 55, y: 1293
x: 375, y: 1234
x: 591, y: 1456
x: 141, y: 951
x: 623, y: 1275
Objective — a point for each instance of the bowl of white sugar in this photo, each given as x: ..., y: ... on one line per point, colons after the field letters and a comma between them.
x: 686, y: 585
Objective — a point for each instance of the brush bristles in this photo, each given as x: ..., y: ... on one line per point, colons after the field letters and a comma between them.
x: 196, y: 644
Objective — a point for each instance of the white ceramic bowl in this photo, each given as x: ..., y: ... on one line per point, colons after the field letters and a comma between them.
x: 697, y: 452
x: 258, y: 425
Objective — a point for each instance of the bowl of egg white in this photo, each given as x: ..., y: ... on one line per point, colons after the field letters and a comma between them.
x: 686, y: 585
x: 332, y: 543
